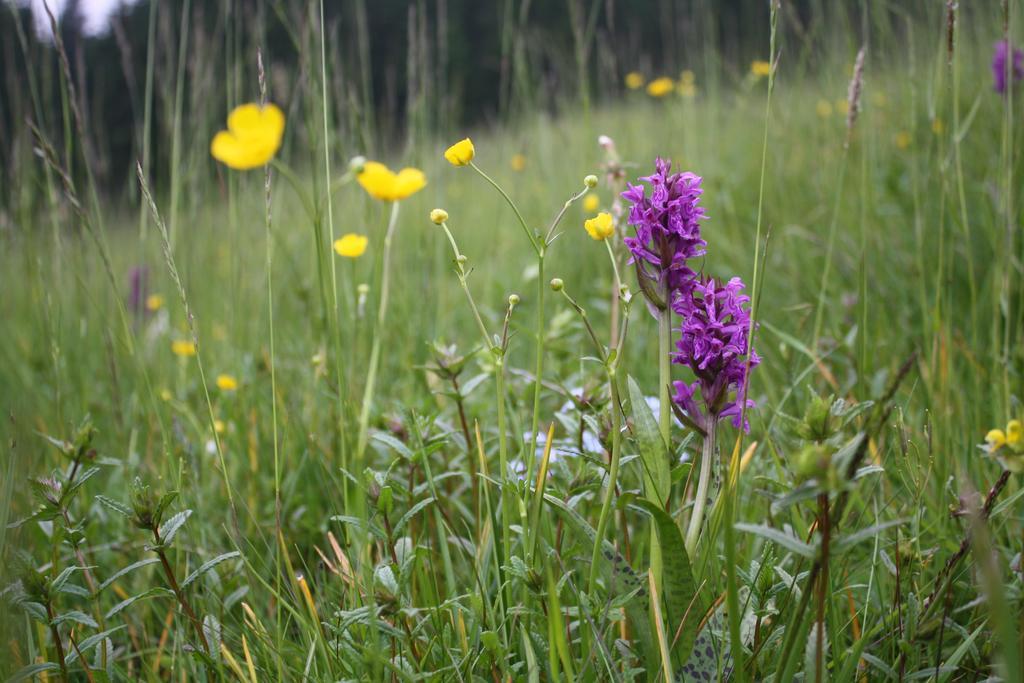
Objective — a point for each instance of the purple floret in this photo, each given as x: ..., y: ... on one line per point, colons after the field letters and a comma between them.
x: 667, y: 225
x: 713, y: 344
x: 999, y: 70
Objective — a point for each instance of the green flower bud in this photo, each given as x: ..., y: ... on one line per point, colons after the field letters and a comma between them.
x: 590, y: 181
x: 557, y: 285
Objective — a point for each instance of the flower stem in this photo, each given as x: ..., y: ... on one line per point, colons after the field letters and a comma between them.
x: 613, y: 474
x: 182, y: 600
x: 382, y: 310
x: 706, y: 456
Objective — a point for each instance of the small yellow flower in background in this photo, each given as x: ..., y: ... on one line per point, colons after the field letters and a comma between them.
x: 1013, y: 432
x: 226, y: 383
x: 166, y: 395
x: 687, y: 89
x: 660, y: 87
x: 154, y: 302
x: 438, y: 216
x: 351, y: 245
x: 461, y: 153
x: 687, y: 76
x: 903, y: 139
x: 600, y: 227
x: 252, y: 139
x: 995, y: 439
x: 842, y: 107
x: 518, y: 163
x: 824, y: 109
x: 760, y: 68
x: 938, y: 127
x: 183, y: 348
x: 218, y: 426
x: 380, y: 182
x: 634, y: 80
x: 591, y: 203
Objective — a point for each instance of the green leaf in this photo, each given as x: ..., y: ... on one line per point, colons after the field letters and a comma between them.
x: 161, y: 507
x: 685, y: 608
x: 654, y: 453
x: 790, y: 543
x: 114, y: 505
x: 846, y: 542
x: 151, y: 593
x: 395, y: 445
x: 130, y: 568
x: 76, y: 616
x: 208, y: 565
x: 31, y: 671
x: 412, y: 513
x: 89, y: 642
x: 170, y: 529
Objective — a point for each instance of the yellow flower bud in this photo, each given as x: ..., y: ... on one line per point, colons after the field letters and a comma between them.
x: 183, y: 347
x: 439, y: 216
x: 557, y: 284
x: 1013, y: 432
x: 518, y: 162
x: 660, y: 87
x: 590, y: 181
x: 634, y: 80
x: 600, y: 227
x: 226, y: 383
x: 513, y: 299
x: 461, y: 153
x: 351, y: 245
x: 995, y: 440
x: 591, y: 203
x: 154, y: 302
x: 760, y: 68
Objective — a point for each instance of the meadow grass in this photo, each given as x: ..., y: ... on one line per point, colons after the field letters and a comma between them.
x: 885, y: 264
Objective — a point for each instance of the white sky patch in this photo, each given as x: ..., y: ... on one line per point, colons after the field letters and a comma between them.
x: 96, y: 12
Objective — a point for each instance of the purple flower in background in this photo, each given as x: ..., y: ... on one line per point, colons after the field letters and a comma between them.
x: 713, y: 344
x: 139, y: 283
x: 999, y: 66
x: 667, y: 225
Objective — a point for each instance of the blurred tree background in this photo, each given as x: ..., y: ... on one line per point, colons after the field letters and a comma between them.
x: 399, y: 69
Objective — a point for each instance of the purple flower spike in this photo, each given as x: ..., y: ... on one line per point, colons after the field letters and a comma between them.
x: 713, y: 344
x: 667, y: 225
x: 999, y: 71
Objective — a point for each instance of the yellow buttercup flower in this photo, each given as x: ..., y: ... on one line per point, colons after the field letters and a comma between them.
x: 183, y: 348
x: 660, y: 87
x: 824, y: 109
x: 438, y: 216
x: 461, y: 153
x: 903, y: 139
x: 634, y: 80
x: 351, y: 245
x: 252, y: 139
x: 1013, y: 433
x: 226, y: 383
x: 760, y: 68
x: 995, y: 440
x: 518, y: 162
x: 154, y: 302
x: 591, y: 203
x: 600, y: 227
x: 380, y: 182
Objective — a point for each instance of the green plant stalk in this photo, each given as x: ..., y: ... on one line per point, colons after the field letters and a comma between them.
x: 179, y: 97
x: 382, y: 310
x: 55, y: 634
x: 613, y: 475
x: 707, y: 455
x: 182, y: 600
x: 335, y: 317
x: 732, y: 599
